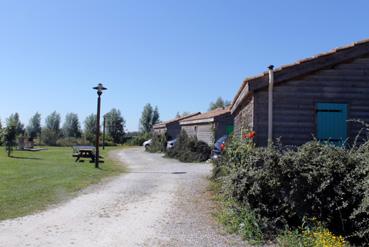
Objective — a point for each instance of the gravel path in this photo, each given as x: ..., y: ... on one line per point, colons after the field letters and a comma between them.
x: 160, y: 202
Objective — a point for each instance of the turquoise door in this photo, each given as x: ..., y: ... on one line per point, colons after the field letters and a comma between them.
x: 332, y: 122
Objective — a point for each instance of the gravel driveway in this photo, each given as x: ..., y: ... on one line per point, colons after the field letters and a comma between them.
x: 159, y: 202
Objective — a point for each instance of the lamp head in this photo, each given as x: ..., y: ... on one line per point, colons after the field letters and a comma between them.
x: 100, y: 88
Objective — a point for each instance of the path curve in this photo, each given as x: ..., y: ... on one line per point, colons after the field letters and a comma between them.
x: 159, y: 202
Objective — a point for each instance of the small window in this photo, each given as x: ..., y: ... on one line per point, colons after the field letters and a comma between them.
x: 331, y: 122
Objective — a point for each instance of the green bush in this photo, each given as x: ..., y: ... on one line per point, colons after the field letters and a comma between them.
x: 283, y: 187
x: 236, y: 219
x: 189, y: 149
x: 139, y: 139
x: 70, y: 141
x: 158, y: 144
x: 316, y: 236
x: 49, y: 137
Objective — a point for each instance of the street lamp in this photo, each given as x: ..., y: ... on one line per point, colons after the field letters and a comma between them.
x: 100, y: 88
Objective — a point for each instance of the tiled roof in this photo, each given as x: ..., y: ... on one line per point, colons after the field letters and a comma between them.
x: 163, y: 124
x: 304, y: 66
x: 211, y: 114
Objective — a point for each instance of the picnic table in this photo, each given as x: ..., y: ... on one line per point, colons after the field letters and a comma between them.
x: 87, y: 152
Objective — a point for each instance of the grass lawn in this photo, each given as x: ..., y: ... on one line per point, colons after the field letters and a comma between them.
x: 33, y: 180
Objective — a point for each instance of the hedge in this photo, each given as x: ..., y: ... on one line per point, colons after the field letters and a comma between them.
x: 285, y: 187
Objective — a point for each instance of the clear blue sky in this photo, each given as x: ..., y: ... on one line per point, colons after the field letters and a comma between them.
x: 176, y: 54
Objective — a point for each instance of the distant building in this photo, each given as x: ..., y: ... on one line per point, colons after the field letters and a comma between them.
x: 209, y: 126
x: 314, y: 97
x: 172, y: 127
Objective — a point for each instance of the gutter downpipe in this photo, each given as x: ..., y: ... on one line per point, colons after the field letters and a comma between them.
x: 270, y: 104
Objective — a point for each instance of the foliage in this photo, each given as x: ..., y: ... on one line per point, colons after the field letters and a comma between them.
x: 183, y: 114
x: 53, y: 122
x: 9, y: 136
x: 1, y: 133
x: 140, y: 138
x: 71, y: 126
x: 219, y: 103
x: 70, y: 141
x: 148, y: 118
x: 158, y: 144
x: 115, y: 124
x: 49, y: 137
x: 316, y: 237
x: 316, y: 180
x: 51, y: 132
x: 34, y: 126
x: 189, y: 149
x: 155, y: 116
x: 90, y: 128
x: 34, y: 180
x: 14, y: 120
x: 236, y: 219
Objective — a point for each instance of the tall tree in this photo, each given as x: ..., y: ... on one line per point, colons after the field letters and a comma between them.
x: 149, y: 117
x: 183, y: 114
x: 90, y: 128
x: 34, y: 126
x: 51, y: 132
x: 219, y: 103
x: 53, y: 122
x: 155, y: 116
x: 10, y: 135
x: 115, y: 124
x: 71, y: 126
x: 19, y: 127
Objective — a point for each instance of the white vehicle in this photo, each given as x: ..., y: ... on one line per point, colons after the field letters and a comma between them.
x: 170, y: 144
x: 147, y: 144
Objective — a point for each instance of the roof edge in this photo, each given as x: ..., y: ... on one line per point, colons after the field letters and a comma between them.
x: 284, y: 73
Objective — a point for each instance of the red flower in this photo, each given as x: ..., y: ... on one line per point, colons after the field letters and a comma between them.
x: 249, y: 135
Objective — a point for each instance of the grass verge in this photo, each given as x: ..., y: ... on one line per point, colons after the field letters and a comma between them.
x: 31, y: 181
x: 235, y: 219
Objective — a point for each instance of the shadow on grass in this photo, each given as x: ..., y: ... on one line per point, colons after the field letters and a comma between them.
x: 24, y: 158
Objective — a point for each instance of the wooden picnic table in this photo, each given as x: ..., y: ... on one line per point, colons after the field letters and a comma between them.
x: 87, y: 152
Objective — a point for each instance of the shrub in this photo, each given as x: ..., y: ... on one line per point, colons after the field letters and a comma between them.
x: 139, y: 139
x: 70, y: 141
x: 158, y: 144
x: 235, y: 218
x: 315, y: 180
x: 316, y: 237
x: 49, y: 137
x: 189, y: 149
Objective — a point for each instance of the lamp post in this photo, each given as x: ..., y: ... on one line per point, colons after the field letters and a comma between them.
x: 100, y: 88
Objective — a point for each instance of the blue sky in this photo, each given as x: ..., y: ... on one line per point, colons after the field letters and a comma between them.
x: 178, y: 55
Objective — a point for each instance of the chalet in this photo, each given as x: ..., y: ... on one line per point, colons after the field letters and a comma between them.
x: 314, y: 97
x: 209, y: 126
x: 171, y: 128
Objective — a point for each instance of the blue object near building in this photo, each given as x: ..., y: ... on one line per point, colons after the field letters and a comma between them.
x: 331, y: 121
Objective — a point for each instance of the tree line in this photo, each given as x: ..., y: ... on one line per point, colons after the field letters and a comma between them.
x: 55, y: 133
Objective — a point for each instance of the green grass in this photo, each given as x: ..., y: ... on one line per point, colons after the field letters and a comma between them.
x: 31, y: 181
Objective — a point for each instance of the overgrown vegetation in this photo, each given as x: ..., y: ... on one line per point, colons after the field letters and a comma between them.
x: 236, y: 219
x: 139, y: 138
x: 282, y: 188
x: 316, y: 236
x: 189, y: 149
x: 158, y: 144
